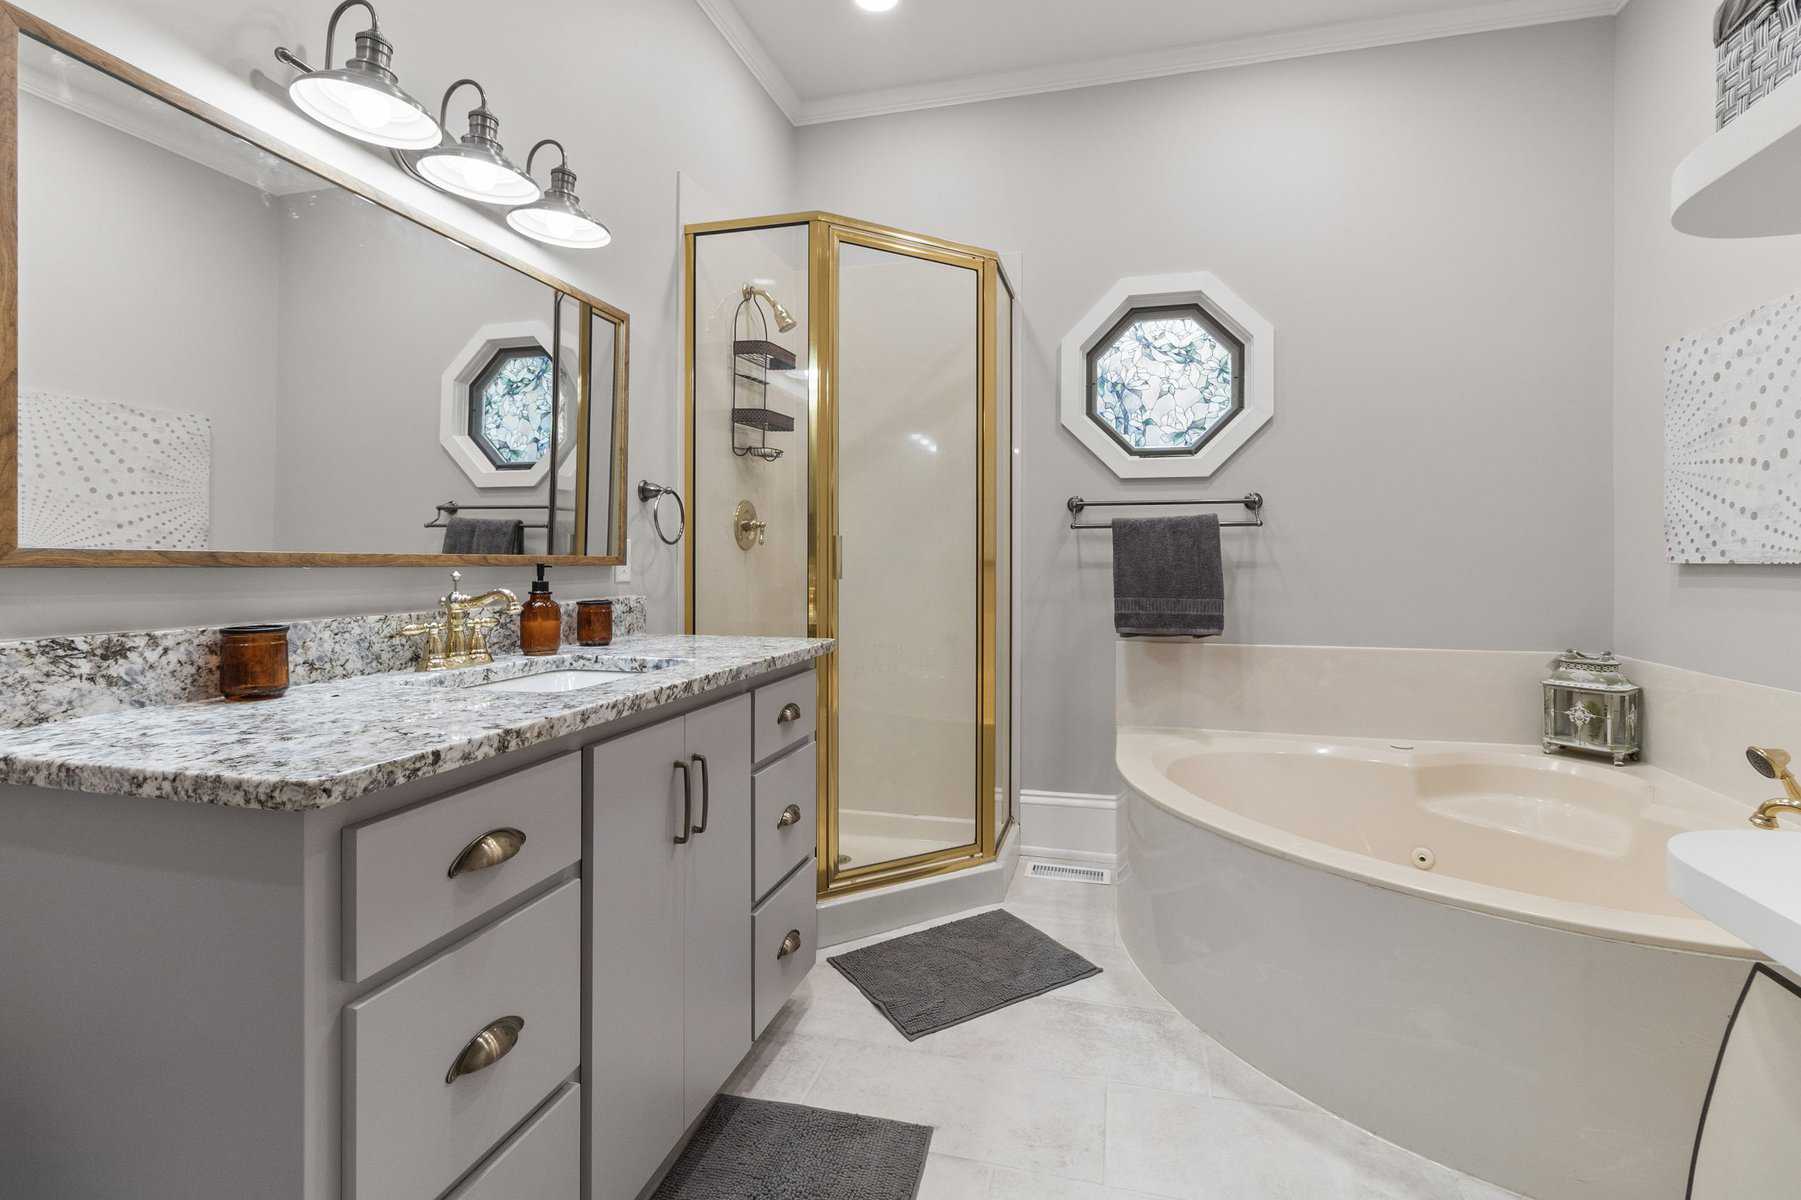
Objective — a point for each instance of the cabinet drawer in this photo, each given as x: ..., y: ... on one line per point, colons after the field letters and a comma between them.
x: 774, y: 975
x: 542, y: 1161
x: 408, y: 1131
x: 783, y: 714
x: 399, y: 893
x: 784, y: 796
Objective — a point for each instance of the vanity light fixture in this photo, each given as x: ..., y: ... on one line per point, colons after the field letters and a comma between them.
x: 475, y: 167
x: 558, y: 218
x: 877, y: 6
x: 362, y: 99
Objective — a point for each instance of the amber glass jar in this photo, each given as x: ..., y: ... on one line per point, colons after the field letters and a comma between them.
x: 253, y: 662
x: 594, y: 622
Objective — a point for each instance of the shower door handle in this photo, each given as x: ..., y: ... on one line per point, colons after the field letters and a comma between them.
x: 681, y: 839
x: 838, y: 556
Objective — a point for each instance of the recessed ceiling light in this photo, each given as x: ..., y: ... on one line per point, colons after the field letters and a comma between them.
x: 876, y: 5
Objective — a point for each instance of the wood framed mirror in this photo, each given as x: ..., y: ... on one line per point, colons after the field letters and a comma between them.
x: 220, y: 351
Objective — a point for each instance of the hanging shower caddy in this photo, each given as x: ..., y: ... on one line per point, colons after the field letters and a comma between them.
x: 753, y: 358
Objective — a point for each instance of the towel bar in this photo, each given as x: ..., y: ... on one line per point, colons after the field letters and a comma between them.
x: 1251, y: 500
x: 451, y: 508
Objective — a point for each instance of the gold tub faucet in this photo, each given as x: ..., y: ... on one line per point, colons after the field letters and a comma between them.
x: 459, y: 635
x: 1773, y: 764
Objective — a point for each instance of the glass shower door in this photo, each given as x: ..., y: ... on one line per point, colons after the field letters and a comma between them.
x: 910, y: 508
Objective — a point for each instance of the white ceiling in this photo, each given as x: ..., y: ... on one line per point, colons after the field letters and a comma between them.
x: 828, y: 60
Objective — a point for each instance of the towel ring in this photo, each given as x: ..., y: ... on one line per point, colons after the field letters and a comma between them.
x: 652, y: 494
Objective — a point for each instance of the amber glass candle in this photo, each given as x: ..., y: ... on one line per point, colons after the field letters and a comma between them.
x: 253, y: 662
x: 594, y: 622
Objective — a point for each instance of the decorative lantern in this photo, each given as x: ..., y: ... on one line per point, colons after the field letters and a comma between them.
x: 1590, y: 706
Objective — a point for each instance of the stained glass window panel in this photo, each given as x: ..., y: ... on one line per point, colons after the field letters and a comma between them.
x: 511, y: 406
x: 1165, y: 380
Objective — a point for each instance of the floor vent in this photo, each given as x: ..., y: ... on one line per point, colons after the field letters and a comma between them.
x: 1039, y: 870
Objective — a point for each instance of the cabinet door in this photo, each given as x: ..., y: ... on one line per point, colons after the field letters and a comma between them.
x: 633, y: 879
x: 716, y: 922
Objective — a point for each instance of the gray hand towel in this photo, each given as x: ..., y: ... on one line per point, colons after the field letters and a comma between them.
x: 1167, y: 579
x: 482, y: 535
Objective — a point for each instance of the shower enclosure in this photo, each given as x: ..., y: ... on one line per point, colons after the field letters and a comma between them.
x: 850, y: 475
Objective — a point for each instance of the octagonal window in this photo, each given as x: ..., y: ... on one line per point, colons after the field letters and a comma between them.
x: 1163, y: 381
x: 511, y: 406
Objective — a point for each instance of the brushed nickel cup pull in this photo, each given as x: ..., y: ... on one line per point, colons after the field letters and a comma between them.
x: 790, y: 816
x: 790, y: 713
x: 790, y: 944
x: 489, y: 850
x: 486, y: 1048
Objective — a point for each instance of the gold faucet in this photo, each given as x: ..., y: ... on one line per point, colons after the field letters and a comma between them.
x: 459, y: 637
x: 1773, y: 764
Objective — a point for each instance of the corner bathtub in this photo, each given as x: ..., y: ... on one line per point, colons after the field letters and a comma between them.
x: 1466, y: 949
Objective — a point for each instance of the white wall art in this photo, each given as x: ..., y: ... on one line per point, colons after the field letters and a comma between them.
x: 1732, y: 440
x: 94, y: 475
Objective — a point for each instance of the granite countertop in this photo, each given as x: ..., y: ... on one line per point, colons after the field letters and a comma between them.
x: 325, y: 743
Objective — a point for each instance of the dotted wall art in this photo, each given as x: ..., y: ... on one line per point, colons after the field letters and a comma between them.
x: 1732, y: 441
x: 94, y: 475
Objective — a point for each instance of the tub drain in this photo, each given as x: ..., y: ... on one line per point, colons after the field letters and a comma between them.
x: 1424, y: 859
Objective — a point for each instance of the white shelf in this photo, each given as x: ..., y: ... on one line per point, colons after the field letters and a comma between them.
x: 1745, y: 180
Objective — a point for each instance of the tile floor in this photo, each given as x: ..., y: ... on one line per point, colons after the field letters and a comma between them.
x: 1097, y: 1091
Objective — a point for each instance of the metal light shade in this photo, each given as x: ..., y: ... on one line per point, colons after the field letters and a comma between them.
x: 558, y: 218
x: 475, y: 168
x: 362, y: 99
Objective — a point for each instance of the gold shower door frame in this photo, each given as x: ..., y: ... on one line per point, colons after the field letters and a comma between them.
x: 826, y: 234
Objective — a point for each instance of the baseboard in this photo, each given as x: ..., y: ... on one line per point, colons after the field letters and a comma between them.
x: 1073, y: 827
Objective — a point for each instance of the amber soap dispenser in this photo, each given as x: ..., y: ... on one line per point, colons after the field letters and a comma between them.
x: 540, y: 619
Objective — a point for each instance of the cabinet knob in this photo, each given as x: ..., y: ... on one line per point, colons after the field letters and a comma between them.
x: 790, y: 713
x: 790, y: 816
x: 790, y: 944
x: 486, y: 1048
x: 489, y: 850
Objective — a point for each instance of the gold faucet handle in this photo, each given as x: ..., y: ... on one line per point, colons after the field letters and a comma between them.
x: 432, y: 656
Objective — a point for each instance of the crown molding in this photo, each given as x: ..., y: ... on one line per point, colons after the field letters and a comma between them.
x: 749, y: 48
x: 1305, y: 43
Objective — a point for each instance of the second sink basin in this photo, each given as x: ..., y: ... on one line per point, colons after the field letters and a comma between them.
x: 573, y: 679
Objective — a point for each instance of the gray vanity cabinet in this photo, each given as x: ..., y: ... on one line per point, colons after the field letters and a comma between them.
x: 669, y: 845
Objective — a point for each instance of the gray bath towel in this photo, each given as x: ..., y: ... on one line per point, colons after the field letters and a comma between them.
x: 480, y: 535
x: 1167, y: 579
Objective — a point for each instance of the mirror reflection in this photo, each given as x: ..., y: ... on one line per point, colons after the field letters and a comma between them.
x: 220, y: 351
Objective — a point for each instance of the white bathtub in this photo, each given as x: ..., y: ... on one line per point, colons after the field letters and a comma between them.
x: 1534, y: 1008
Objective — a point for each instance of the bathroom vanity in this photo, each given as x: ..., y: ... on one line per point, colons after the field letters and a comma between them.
x: 403, y: 935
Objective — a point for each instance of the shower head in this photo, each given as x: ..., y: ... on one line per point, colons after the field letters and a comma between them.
x: 784, y: 320
x: 1771, y: 764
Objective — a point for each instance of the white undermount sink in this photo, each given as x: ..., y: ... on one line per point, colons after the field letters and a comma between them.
x: 572, y: 679
x: 1748, y: 882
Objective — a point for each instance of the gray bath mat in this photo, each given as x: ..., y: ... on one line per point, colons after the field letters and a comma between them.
x: 927, y: 981
x: 761, y: 1150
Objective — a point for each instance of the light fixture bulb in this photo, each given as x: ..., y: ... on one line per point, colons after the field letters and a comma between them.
x: 350, y: 107
x: 877, y: 6
x: 476, y: 176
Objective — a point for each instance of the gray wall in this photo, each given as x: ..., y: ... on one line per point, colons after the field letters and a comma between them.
x: 1725, y: 620
x: 119, y: 342
x: 636, y: 89
x: 361, y: 374
x: 1428, y: 228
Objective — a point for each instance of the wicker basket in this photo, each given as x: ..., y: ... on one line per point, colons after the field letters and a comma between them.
x: 1759, y: 46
